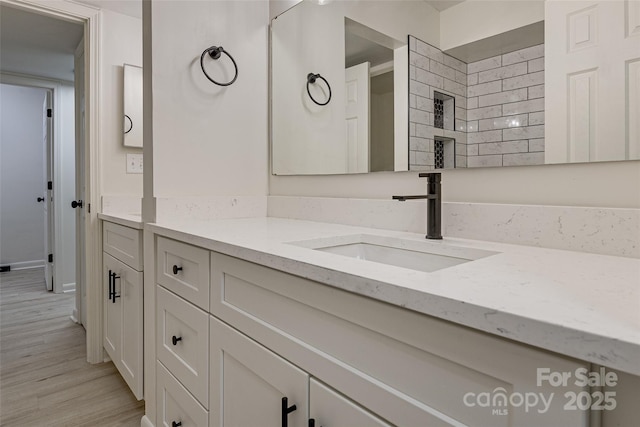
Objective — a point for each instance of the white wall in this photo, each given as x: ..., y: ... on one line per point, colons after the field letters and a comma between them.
x: 474, y: 20
x: 209, y: 140
x: 122, y: 44
x: 21, y: 176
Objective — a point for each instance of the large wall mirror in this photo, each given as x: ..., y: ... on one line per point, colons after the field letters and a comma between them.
x: 420, y: 85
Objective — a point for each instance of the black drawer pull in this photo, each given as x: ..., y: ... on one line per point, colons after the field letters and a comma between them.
x: 286, y: 409
x: 312, y: 422
x: 113, y: 292
x: 176, y: 424
x: 110, y: 284
x: 175, y: 340
x: 176, y: 269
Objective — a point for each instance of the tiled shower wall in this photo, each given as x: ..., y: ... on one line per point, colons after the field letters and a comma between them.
x: 431, y: 70
x: 499, y: 107
x: 505, y: 101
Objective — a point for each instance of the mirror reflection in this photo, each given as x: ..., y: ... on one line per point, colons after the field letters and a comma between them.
x: 431, y: 85
x: 132, y: 106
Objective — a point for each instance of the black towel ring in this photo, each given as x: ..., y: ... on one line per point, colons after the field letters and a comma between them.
x: 130, y: 124
x: 311, y: 78
x: 215, y: 52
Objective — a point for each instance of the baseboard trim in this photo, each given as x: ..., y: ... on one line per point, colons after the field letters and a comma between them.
x: 68, y: 287
x: 74, y: 316
x: 37, y: 263
x: 146, y: 422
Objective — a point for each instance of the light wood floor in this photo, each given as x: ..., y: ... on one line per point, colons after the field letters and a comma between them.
x: 45, y: 379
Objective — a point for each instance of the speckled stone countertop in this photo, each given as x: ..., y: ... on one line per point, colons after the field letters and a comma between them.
x: 128, y: 220
x: 582, y: 305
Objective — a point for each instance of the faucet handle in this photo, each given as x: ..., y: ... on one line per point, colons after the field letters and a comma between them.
x: 434, y: 177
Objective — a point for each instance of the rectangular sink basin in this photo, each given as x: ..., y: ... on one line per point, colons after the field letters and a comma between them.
x: 417, y: 255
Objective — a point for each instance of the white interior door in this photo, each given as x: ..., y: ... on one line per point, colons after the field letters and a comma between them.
x: 81, y: 294
x: 592, y: 80
x: 48, y: 199
x: 357, y: 114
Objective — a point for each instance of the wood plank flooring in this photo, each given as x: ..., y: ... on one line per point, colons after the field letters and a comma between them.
x: 45, y: 379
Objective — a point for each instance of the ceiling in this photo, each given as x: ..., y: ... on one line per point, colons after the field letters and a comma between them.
x: 125, y: 7
x: 443, y: 4
x: 37, y: 45
x: 41, y: 46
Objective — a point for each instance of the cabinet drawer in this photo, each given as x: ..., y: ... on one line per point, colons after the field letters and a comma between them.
x: 175, y: 404
x: 184, y: 269
x: 183, y: 342
x: 123, y: 243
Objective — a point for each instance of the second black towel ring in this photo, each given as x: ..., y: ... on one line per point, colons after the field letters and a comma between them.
x: 130, y: 124
x: 311, y: 79
x: 215, y: 52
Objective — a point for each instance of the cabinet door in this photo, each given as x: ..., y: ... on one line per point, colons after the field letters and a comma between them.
x: 249, y: 382
x: 112, y: 310
x: 328, y: 408
x: 129, y: 287
x: 123, y: 321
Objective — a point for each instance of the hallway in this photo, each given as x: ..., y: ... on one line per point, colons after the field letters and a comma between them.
x: 45, y: 379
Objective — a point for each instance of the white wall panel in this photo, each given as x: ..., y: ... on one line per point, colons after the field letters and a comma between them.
x: 632, y: 10
x: 583, y: 29
x: 582, y: 115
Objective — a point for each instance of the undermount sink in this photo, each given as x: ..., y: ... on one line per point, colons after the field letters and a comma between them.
x: 412, y: 254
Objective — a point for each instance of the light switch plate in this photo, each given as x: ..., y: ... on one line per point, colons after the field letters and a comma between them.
x: 134, y: 163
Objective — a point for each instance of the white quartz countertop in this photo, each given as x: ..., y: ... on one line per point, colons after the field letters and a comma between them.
x: 582, y: 305
x: 132, y: 220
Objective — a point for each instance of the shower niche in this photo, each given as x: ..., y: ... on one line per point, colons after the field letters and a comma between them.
x: 444, y: 117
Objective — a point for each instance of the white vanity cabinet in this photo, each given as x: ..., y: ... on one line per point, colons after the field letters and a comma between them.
x: 123, y: 302
x: 342, y: 359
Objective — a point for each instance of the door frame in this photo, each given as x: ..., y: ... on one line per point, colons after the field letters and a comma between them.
x: 91, y: 18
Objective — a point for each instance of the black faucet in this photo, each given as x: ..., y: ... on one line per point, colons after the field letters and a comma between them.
x: 434, y: 204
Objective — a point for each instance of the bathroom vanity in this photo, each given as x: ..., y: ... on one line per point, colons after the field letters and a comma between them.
x: 122, y: 290
x: 270, y: 321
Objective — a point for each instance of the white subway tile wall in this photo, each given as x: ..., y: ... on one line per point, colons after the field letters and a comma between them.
x: 509, y: 91
x: 499, y: 106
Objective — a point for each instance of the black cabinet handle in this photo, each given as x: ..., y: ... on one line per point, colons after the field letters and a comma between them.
x: 176, y: 269
x: 176, y: 424
x: 110, y: 284
x: 113, y: 294
x: 286, y: 409
x: 175, y: 340
x: 312, y: 422
x: 40, y: 199
x: 76, y: 204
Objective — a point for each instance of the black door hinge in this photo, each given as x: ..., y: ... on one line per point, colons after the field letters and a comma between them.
x: 50, y: 257
x: 49, y: 112
x: 50, y: 185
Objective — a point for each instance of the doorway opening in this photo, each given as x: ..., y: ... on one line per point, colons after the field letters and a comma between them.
x: 40, y: 55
